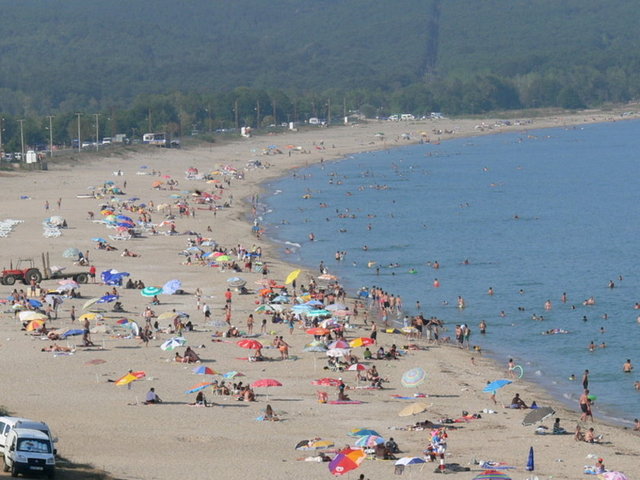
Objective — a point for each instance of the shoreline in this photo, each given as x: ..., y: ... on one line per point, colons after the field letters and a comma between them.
x: 443, y: 360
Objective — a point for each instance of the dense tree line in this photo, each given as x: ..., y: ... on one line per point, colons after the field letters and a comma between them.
x: 159, y: 65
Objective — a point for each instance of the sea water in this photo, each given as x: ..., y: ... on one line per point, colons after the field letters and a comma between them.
x: 531, y: 215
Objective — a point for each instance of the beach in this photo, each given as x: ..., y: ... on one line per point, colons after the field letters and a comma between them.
x: 108, y: 427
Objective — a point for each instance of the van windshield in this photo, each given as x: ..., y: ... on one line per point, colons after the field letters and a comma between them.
x: 34, y: 445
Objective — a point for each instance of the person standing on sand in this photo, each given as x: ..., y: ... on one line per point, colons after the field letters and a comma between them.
x: 250, y: 324
x: 73, y: 313
x: 585, y: 406
x: 374, y: 332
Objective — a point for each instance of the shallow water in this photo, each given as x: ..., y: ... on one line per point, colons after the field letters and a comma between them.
x: 545, y: 212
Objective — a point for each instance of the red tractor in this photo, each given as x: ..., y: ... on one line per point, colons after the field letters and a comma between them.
x: 25, y: 271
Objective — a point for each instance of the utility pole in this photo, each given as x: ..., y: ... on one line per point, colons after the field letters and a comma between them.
x: 1, y: 129
x: 50, y: 135
x: 235, y: 111
x: 97, y: 115
x: 22, y: 139
x: 79, y: 139
x: 328, y: 112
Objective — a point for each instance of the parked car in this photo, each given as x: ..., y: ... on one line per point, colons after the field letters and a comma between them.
x: 9, y: 423
x: 29, y: 451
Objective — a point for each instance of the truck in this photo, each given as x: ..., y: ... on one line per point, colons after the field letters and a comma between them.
x: 29, y: 451
x: 157, y: 139
x: 26, y: 271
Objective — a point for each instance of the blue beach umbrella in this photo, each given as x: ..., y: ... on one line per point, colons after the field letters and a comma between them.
x: 171, y: 287
x: 413, y: 377
x: 107, y: 298
x: 35, y: 303
x: 495, y: 385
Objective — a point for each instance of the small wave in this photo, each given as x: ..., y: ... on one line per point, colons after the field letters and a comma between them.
x: 277, y: 192
x: 293, y: 244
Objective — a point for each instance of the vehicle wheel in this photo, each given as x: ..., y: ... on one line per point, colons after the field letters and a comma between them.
x: 32, y: 274
x: 5, y: 467
x: 82, y: 278
x: 14, y: 470
x: 9, y: 280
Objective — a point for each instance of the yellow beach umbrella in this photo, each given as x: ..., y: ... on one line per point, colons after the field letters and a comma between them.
x: 413, y: 409
x: 292, y: 276
x: 88, y: 316
x: 28, y: 315
x: 34, y: 325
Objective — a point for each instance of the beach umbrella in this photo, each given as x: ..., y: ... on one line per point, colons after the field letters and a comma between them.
x: 88, y: 316
x: 202, y: 370
x: 266, y: 383
x: 413, y: 409
x: 300, y: 308
x: 123, y: 321
x: 171, y: 287
x: 130, y: 377
x: 413, y: 377
x: 236, y: 282
x: 346, y: 460
x: 356, y: 367
x: 72, y: 333
x: 537, y: 415
x: 90, y: 303
x: 265, y: 307
x: 614, y: 476
x: 314, y: 303
x: 232, y: 374
x: 318, y: 331
x: 339, y: 344
x: 250, y: 343
x: 492, y: 475
x: 29, y: 315
x: 292, y: 276
x: 338, y: 352
x: 330, y: 323
x: 35, y: 303
x: 199, y: 386
x: 99, y: 239
x: 369, y: 441
x: 495, y: 385
x: 167, y: 316
x: 71, y: 252
x: 317, y: 313
x: 361, y: 342
x: 35, y: 325
x: 360, y: 432
x: 107, y: 298
x: 281, y: 299
x: 223, y: 258
x: 173, y: 343
x: 326, y: 382
x: 150, y: 291
x: 315, y: 347
x: 410, y: 461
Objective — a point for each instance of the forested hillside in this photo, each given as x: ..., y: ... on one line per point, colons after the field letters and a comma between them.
x: 213, y: 63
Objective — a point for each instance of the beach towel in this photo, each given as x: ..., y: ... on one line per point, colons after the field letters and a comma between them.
x: 345, y: 402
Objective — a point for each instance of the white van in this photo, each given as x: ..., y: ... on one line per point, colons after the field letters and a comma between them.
x: 29, y: 451
x: 9, y: 423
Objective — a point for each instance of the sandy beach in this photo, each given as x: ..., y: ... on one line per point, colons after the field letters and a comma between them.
x: 108, y: 427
